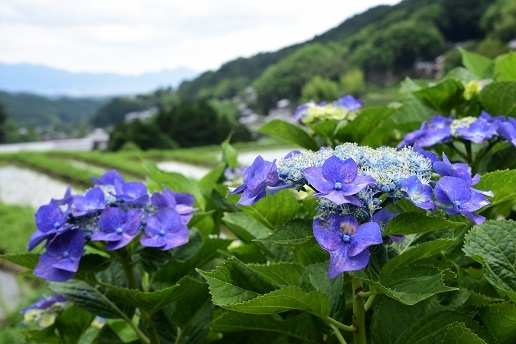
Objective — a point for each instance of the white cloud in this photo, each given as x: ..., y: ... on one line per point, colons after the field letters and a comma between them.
x: 137, y: 36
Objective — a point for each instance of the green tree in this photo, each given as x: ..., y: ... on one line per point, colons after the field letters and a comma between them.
x: 319, y: 89
x: 3, y: 120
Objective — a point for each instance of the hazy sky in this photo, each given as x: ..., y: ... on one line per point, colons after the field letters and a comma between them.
x: 137, y: 36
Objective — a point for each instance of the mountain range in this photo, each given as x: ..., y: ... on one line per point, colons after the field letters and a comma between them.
x: 36, y: 79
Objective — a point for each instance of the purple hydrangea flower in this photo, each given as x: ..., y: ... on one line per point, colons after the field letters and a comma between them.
x: 478, y: 131
x: 91, y: 202
x: 118, y: 227
x: 165, y: 230
x: 427, y: 154
x: 61, y: 260
x: 66, y: 200
x: 460, y: 170
x: 44, y: 302
x: 50, y: 221
x: 111, y: 177
x: 134, y: 193
x: 458, y: 198
x: 178, y: 201
x: 382, y: 217
x: 337, y: 180
x: 507, y: 130
x: 346, y: 241
x: 437, y: 130
x: 349, y: 102
x: 260, y: 175
x: 419, y: 194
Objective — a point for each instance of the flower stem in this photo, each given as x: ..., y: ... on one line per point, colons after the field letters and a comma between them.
x: 338, y: 324
x: 128, y: 269
x: 150, y: 328
x: 359, y: 335
x: 369, y: 302
x: 338, y: 334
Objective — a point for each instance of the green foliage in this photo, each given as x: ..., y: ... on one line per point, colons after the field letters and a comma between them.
x: 17, y: 227
x: 319, y: 89
x: 493, y: 244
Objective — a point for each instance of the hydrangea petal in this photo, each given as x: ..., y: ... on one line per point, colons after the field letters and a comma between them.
x: 327, y: 232
x: 365, y: 235
x: 340, y: 261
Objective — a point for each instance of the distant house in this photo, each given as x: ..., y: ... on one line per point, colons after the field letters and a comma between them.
x: 141, y: 115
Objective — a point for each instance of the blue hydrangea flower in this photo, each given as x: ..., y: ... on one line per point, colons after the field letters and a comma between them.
x: 179, y: 201
x: 427, y: 154
x: 478, y: 131
x: 111, y: 177
x: 419, y: 194
x: 50, y: 221
x: 66, y: 200
x: 61, y: 260
x: 349, y: 102
x: 438, y: 130
x: 337, y: 180
x: 460, y: 170
x: 260, y: 175
x: 507, y: 130
x: 458, y: 198
x: 118, y: 227
x: 44, y: 302
x: 91, y: 202
x: 346, y: 241
x: 165, y: 230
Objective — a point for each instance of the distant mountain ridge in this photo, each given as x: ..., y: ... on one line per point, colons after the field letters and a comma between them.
x: 41, y: 80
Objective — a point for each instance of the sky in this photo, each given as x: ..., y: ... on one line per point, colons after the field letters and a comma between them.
x: 132, y: 37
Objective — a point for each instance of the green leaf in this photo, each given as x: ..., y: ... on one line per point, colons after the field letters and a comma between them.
x: 245, y: 226
x: 498, y: 98
x: 298, y: 327
x: 276, y: 209
x: 87, y: 297
x: 289, y: 133
x: 431, y: 328
x: 208, y: 182
x: 461, y: 74
x: 317, y: 275
x: 408, y: 282
x: 500, y: 320
x: 415, y: 223
x: 229, y: 153
x: 27, y: 260
x: 155, y: 300
x: 504, y: 69
x: 73, y: 322
x: 493, y: 244
x: 234, y: 282
x: 417, y: 253
x: 283, y: 300
x: 294, y: 232
x: 408, y: 86
x: 443, y: 97
x: 501, y: 183
x: 364, y: 125
x: 480, y: 65
x: 457, y: 333
x: 386, y: 328
x: 325, y: 128
x: 280, y: 274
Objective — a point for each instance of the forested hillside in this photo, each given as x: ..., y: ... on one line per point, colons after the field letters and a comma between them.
x: 383, y: 43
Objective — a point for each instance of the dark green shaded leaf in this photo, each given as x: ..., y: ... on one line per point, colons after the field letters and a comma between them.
x: 87, y: 297
x: 155, y: 300
x: 431, y: 328
x: 458, y: 333
x: 443, y: 97
x: 414, y: 223
x: 298, y: 327
x: 500, y: 320
x: 294, y: 232
x: 234, y: 282
x: 281, y: 274
x: 229, y: 153
x: 283, y: 300
x: 493, y: 244
x: 325, y: 128
x: 289, y: 133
